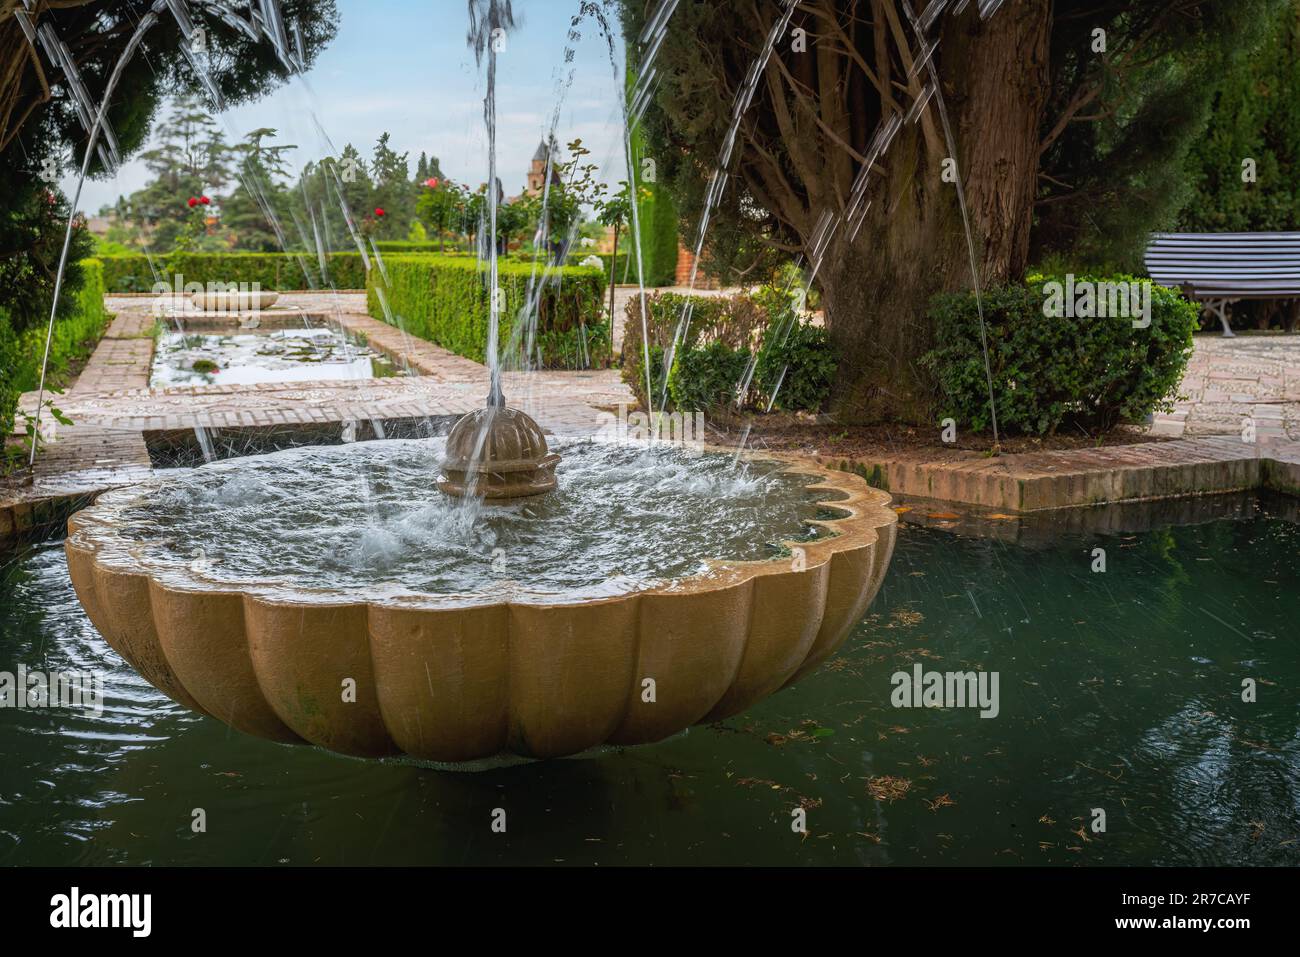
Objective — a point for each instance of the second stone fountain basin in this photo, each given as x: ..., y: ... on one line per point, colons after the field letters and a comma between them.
x: 234, y: 301
x: 457, y: 678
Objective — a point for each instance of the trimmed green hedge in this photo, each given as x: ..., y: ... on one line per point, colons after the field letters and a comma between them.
x: 659, y: 220
x: 75, y: 337
x: 13, y: 363
x: 407, y: 246
x: 793, y: 361
x: 1049, y: 370
x: 269, y: 270
x: 444, y: 299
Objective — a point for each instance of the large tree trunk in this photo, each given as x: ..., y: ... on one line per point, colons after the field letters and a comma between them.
x: 913, y: 244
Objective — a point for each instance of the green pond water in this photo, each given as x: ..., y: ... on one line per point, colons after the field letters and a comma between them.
x: 1119, y: 691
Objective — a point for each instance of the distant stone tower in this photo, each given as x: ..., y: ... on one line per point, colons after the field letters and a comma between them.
x: 537, y: 172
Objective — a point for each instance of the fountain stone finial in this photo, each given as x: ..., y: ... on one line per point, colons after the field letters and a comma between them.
x: 498, y: 453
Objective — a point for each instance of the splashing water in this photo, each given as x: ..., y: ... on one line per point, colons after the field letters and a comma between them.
x: 625, y: 517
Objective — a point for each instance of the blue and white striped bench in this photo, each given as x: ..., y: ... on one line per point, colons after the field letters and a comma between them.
x: 1222, y: 268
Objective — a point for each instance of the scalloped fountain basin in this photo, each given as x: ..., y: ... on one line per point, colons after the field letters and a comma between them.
x: 333, y: 596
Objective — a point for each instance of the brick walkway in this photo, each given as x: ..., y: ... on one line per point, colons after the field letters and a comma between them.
x: 1228, y: 381
x: 113, y: 407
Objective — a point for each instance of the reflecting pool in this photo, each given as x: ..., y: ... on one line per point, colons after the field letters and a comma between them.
x: 1119, y: 690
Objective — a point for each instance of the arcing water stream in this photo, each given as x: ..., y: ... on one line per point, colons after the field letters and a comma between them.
x: 489, y: 21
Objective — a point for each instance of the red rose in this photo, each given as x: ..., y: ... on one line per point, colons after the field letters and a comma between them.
x: 205, y: 201
x: 431, y: 183
x: 379, y: 211
x: 193, y: 202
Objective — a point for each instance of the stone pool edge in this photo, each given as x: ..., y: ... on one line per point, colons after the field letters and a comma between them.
x: 1021, y: 483
x: 1042, y: 481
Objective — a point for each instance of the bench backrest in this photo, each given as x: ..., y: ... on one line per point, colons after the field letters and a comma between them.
x: 1227, y: 265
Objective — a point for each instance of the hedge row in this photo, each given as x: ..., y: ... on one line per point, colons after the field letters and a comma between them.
x: 75, y: 336
x: 658, y: 220
x: 1051, y: 369
x: 752, y: 347
x: 269, y: 270
x: 445, y: 300
x: 407, y: 246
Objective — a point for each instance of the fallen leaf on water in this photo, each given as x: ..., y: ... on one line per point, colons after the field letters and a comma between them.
x: 944, y: 515
x: 886, y: 787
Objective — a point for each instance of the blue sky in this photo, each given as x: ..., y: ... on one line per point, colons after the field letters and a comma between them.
x: 403, y: 66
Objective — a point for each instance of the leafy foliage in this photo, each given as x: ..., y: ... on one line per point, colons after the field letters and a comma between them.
x: 1256, y: 116
x: 1119, y: 126
x: 78, y: 328
x: 707, y: 377
x: 1051, y: 371
x: 657, y: 218
x: 796, y: 363
x: 190, y: 160
x: 442, y: 208
x: 32, y: 224
x: 262, y: 168
x: 793, y: 359
x: 12, y: 364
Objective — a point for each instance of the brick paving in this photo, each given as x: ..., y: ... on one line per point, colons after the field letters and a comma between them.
x: 1230, y: 381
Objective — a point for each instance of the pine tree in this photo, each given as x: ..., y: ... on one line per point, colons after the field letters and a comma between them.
x: 1071, y: 121
x: 191, y: 160
x: 394, y: 193
x: 260, y: 200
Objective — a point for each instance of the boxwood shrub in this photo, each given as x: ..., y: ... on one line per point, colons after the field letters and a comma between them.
x: 12, y: 365
x: 344, y: 270
x: 793, y: 362
x: 76, y: 333
x: 1050, y: 371
x: 444, y: 299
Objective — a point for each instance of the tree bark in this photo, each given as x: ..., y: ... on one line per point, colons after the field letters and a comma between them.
x: 613, y: 264
x: 913, y: 244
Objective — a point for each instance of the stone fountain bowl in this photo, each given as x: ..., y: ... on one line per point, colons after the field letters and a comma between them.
x: 445, y: 678
x: 240, y: 301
